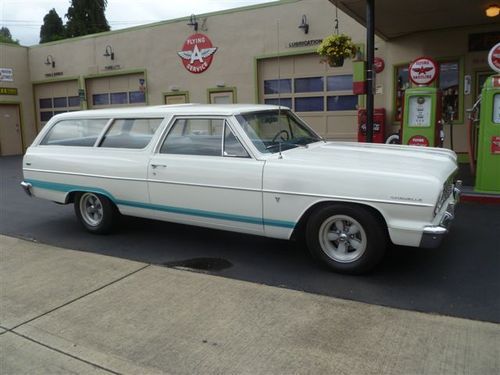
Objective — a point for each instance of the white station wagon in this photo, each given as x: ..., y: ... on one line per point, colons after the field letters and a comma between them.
x: 255, y: 169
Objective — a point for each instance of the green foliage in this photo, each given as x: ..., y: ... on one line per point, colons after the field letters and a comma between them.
x: 86, y: 17
x: 52, y: 28
x: 6, y: 37
x: 337, y: 46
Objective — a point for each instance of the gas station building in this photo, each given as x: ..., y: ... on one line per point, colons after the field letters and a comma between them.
x: 255, y: 54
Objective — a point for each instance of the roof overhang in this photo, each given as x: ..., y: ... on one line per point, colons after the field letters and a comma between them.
x: 395, y: 18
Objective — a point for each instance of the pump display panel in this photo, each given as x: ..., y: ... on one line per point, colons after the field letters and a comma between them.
x: 496, y: 109
x: 419, y: 114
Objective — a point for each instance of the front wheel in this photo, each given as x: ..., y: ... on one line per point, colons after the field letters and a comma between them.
x: 346, y: 238
x: 96, y: 212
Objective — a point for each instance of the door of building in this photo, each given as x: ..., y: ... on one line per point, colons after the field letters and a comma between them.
x: 10, y: 130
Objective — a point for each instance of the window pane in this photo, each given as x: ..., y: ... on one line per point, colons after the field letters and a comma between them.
x: 402, y: 83
x: 61, y: 102
x: 286, y: 102
x: 194, y: 137
x: 448, y: 83
x: 46, y: 115
x: 342, y: 103
x: 313, y: 84
x: 339, y: 83
x: 100, y: 99
x: 46, y: 103
x: 131, y: 133
x: 233, y: 147
x: 119, y: 98
x: 276, y: 86
x: 137, y: 97
x: 74, y: 132
x: 309, y: 104
x: 74, y: 101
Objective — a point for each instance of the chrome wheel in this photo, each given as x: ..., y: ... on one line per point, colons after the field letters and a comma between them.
x: 91, y: 209
x: 342, y: 238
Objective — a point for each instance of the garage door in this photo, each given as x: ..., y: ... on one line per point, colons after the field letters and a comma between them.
x: 54, y: 98
x: 321, y: 95
x: 117, y: 91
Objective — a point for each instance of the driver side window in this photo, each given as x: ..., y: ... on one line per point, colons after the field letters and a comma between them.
x: 202, y: 136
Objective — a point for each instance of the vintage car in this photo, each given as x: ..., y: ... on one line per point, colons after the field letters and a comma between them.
x: 255, y: 169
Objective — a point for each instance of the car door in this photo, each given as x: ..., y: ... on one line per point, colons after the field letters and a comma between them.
x: 201, y: 174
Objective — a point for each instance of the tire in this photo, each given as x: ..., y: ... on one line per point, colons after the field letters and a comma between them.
x: 96, y: 212
x: 346, y: 238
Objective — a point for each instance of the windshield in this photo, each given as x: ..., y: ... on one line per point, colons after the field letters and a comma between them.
x: 272, y: 131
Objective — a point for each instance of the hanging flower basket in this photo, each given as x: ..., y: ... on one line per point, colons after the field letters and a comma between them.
x: 336, y: 62
x: 335, y: 48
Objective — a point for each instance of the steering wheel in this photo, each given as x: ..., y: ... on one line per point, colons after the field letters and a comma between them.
x: 281, y: 132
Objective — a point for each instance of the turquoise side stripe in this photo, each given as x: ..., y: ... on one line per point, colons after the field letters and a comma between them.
x: 65, y: 188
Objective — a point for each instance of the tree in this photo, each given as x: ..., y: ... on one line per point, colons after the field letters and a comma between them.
x: 86, y: 17
x: 52, y: 28
x: 6, y: 37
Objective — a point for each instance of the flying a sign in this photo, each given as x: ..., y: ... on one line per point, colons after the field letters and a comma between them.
x: 197, y: 53
x: 423, y: 71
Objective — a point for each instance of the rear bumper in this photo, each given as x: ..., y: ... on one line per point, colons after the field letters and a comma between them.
x: 434, y: 234
x: 27, y: 188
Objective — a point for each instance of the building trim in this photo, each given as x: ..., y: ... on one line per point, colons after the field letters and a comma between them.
x: 59, y: 79
x: 165, y: 94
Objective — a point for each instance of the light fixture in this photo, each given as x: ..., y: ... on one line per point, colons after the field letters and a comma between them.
x: 50, y: 61
x: 193, y: 22
x: 493, y: 10
x: 109, y: 52
x: 220, y: 84
x: 304, y: 25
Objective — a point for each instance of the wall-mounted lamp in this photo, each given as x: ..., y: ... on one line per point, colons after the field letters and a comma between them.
x: 50, y: 61
x: 493, y: 10
x: 193, y: 22
x: 173, y: 88
x: 109, y: 52
x: 220, y: 84
x: 304, y: 25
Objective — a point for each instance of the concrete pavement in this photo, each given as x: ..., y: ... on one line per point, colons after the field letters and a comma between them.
x: 68, y: 311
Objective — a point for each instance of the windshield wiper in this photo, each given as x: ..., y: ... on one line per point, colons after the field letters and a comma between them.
x: 285, y: 143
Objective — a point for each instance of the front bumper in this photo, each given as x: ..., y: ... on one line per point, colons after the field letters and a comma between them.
x: 434, y: 234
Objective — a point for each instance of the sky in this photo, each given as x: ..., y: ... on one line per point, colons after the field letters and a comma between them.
x: 24, y: 17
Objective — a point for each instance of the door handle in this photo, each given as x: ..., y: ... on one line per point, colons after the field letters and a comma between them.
x: 156, y: 166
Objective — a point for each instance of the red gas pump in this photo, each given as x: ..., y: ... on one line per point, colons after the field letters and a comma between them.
x: 378, y: 125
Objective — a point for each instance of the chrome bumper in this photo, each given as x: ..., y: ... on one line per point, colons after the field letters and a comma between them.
x: 434, y: 234
x: 27, y: 188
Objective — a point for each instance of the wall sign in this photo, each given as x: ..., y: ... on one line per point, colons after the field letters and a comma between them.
x: 378, y: 64
x: 494, y: 58
x: 423, y: 71
x: 54, y: 74
x: 197, y: 53
x: 8, y: 91
x: 495, y: 145
x: 304, y: 43
x: 6, y: 75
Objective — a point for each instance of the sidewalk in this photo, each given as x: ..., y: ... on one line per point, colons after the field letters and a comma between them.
x: 67, y: 311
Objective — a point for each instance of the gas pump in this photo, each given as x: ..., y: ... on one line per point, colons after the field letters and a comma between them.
x: 488, y: 142
x: 422, y: 119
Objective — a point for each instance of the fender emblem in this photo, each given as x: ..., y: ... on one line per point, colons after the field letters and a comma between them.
x: 277, y: 199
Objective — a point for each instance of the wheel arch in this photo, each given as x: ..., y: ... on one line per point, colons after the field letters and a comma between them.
x: 299, y: 229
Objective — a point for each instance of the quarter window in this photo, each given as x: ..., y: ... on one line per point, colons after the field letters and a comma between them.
x: 130, y: 133
x: 80, y: 132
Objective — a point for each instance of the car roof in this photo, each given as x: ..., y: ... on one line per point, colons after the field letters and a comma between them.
x: 176, y: 109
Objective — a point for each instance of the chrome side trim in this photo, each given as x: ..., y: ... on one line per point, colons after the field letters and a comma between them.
x: 27, y: 188
x: 335, y: 197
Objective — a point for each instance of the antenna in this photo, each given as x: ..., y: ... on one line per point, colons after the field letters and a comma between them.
x: 279, y: 79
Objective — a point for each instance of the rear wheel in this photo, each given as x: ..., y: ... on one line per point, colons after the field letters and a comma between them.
x: 96, y: 212
x: 346, y: 238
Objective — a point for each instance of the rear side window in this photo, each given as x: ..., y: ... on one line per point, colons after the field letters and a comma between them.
x: 78, y: 132
x: 131, y: 133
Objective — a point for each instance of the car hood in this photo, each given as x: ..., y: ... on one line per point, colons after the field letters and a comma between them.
x: 358, y: 169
